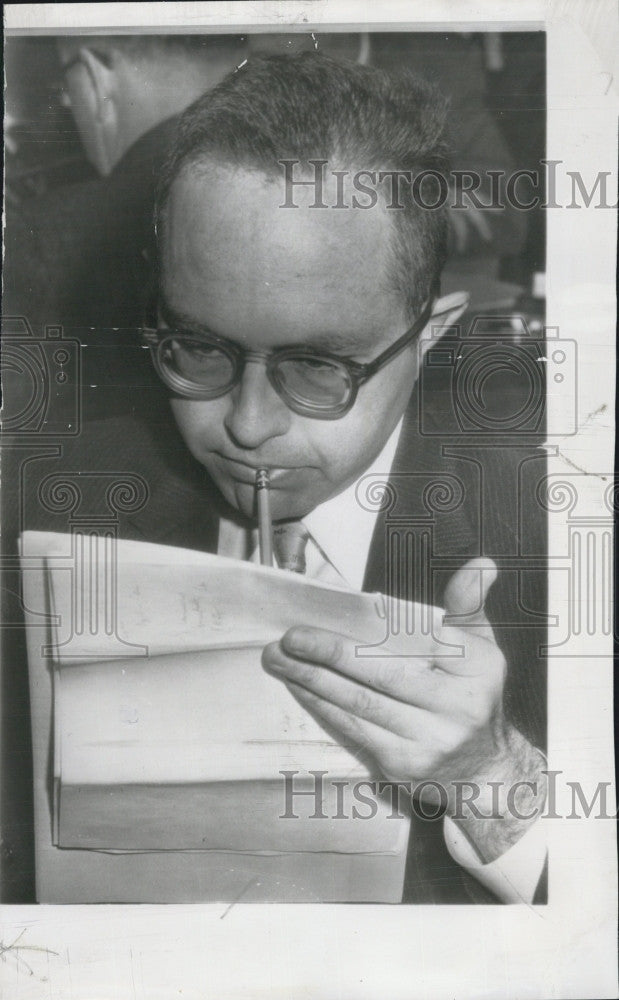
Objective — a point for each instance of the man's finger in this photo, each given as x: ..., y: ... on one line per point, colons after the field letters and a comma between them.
x: 466, y: 592
x: 362, y: 700
x: 411, y: 682
x: 472, y: 656
x: 341, y: 653
x: 365, y: 739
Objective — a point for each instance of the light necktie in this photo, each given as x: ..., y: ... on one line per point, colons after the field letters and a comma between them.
x: 289, y: 542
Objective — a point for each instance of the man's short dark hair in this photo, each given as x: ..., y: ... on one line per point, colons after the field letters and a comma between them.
x: 310, y: 107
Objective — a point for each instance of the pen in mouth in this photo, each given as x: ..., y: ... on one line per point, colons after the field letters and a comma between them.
x: 265, y: 527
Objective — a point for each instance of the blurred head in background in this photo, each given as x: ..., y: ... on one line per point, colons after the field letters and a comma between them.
x: 119, y: 87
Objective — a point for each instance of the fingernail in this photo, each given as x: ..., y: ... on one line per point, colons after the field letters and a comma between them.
x: 274, y: 667
x: 295, y: 640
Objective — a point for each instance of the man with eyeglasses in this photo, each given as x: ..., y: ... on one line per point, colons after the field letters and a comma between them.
x: 291, y: 339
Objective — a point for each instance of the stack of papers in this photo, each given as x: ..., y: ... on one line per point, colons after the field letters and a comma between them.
x: 168, y: 735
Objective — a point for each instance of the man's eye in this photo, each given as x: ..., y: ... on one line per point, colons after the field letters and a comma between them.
x: 316, y: 365
x: 197, y: 351
x: 202, y: 352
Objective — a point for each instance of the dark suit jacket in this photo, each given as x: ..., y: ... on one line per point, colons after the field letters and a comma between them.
x: 446, y: 503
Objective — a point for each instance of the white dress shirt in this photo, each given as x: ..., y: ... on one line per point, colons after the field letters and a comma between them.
x: 337, y: 551
x: 340, y: 531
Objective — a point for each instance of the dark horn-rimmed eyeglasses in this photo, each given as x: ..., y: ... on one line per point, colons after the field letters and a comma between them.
x: 312, y: 383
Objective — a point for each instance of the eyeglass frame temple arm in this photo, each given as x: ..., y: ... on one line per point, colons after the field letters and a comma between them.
x: 366, y: 371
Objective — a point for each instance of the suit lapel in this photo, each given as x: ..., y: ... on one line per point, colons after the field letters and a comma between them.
x: 426, y: 517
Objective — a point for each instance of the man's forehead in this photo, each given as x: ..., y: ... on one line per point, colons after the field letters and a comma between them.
x: 228, y: 221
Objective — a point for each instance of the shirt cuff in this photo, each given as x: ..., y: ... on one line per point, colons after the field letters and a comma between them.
x: 513, y: 877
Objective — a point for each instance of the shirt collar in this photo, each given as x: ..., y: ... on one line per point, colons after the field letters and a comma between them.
x: 343, y: 528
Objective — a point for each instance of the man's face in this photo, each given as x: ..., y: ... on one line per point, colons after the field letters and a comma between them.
x: 240, y: 266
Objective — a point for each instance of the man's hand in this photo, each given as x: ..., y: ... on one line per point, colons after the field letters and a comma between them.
x: 434, y: 716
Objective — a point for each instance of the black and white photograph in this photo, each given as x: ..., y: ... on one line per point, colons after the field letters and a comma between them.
x: 308, y: 490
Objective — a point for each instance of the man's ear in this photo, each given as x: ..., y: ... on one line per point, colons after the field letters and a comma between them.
x: 446, y: 312
x: 102, y: 92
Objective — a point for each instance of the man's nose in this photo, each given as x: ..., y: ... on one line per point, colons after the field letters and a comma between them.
x: 256, y: 413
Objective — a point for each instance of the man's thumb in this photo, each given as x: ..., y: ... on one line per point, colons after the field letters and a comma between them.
x: 467, y: 590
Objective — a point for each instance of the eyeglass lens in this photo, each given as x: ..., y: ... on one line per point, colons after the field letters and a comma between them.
x: 203, y: 364
x: 307, y: 380
x: 313, y: 381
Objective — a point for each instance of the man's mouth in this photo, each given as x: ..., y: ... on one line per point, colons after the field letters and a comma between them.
x: 245, y: 472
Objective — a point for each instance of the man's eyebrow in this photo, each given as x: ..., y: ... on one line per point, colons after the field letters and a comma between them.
x: 175, y: 318
x: 331, y: 343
